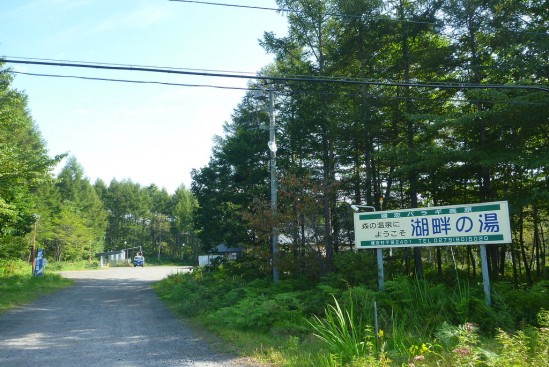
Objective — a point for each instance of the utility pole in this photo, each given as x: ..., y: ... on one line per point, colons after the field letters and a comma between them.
x: 260, y: 94
x: 36, y: 217
x: 33, y: 246
x: 274, y: 188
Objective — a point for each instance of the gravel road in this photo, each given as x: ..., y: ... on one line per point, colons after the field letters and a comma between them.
x: 109, y: 317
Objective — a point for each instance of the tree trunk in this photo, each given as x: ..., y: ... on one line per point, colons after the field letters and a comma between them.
x: 523, y: 250
x: 543, y: 252
x: 502, y: 254
x: 536, y: 252
x: 471, y: 256
x: 514, y: 263
x: 439, y: 261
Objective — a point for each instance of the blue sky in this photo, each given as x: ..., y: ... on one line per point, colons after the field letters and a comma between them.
x: 147, y: 133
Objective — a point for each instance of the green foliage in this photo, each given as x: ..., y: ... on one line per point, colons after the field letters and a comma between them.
x: 525, y: 303
x: 10, y: 268
x: 258, y: 310
x: 18, y: 286
x: 416, y: 320
x: 150, y: 219
x: 522, y: 348
x: 24, y: 165
x: 388, y: 146
x: 356, y: 268
x: 343, y: 333
x: 251, y: 265
x: 71, y: 217
x: 466, y: 351
x: 72, y: 265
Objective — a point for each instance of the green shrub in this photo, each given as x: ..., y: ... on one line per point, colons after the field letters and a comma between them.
x: 71, y: 265
x: 356, y: 268
x: 523, y: 348
x: 524, y: 304
x: 259, y: 309
x: 316, y: 299
x: 410, y: 311
x: 14, y: 267
x: 193, y: 294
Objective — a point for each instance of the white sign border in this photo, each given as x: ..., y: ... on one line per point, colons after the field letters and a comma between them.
x: 502, y: 236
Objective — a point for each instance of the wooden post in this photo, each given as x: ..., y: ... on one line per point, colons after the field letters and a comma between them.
x: 33, y: 247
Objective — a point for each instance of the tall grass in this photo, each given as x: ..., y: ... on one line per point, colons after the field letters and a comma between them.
x: 329, y: 324
x: 72, y: 265
x: 18, y: 286
x: 342, y: 333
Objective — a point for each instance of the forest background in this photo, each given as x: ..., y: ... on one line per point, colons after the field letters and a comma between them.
x: 393, y: 104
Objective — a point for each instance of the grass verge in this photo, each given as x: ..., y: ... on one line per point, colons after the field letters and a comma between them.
x: 18, y: 286
x: 326, y: 325
x: 72, y: 265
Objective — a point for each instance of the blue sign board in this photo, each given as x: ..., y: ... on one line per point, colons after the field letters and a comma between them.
x: 39, y: 264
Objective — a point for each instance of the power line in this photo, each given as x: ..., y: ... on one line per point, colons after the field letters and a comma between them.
x: 284, y: 10
x: 293, y: 92
x: 283, y: 79
x: 337, y: 15
x: 92, y: 63
x: 230, y: 5
x: 131, y: 81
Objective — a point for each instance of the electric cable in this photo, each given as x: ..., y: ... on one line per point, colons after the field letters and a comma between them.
x: 332, y: 14
x: 268, y: 79
x: 131, y: 81
x: 129, y: 65
x: 291, y: 93
x: 284, y: 10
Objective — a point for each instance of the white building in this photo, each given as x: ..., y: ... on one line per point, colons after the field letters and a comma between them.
x: 111, y: 258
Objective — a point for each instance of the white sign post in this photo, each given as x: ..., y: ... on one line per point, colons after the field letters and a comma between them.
x: 454, y: 225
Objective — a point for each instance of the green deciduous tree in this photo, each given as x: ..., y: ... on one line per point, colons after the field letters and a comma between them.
x: 148, y: 218
x: 72, y: 218
x: 24, y: 165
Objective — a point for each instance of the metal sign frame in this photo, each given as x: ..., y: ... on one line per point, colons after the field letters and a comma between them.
x: 469, y: 224
x: 453, y: 225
